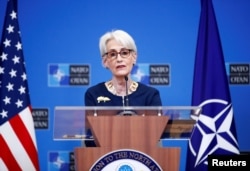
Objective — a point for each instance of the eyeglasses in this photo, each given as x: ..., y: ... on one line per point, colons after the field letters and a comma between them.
x: 124, y: 53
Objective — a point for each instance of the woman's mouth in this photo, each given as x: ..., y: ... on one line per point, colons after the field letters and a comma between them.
x: 120, y: 66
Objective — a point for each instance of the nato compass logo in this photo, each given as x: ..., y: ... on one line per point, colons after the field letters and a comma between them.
x: 68, y: 75
x: 60, y: 161
x: 151, y: 74
x: 212, y: 133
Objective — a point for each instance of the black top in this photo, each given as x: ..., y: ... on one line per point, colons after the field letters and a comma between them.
x: 99, y: 95
x: 144, y: 95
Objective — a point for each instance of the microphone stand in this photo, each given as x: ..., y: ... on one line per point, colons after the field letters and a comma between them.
x: 127, y: 112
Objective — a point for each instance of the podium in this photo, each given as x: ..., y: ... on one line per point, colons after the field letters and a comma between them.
x: 125, y: 140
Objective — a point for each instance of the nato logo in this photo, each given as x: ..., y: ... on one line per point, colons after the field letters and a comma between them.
x: 60, y: 161
x: 151, y: 74
x: 60, y: 75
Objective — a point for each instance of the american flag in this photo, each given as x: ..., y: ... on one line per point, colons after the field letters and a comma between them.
x: 214, y: 132
x: 17, y: 133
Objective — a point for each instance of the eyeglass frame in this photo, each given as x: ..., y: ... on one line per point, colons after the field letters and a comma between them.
x: 129, y: 51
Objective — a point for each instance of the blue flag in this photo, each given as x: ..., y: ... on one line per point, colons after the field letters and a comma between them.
x: 214, y: 131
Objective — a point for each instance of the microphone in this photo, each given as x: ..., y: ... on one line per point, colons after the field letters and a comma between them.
x: 126, y: 79
x: 127, y: 112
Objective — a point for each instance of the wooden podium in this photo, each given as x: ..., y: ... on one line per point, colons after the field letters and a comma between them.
x: 141, y: 133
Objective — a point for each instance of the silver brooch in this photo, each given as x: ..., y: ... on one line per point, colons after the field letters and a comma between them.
x: 102, y: 98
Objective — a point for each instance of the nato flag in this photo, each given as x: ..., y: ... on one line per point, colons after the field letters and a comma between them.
x: 214, y: 131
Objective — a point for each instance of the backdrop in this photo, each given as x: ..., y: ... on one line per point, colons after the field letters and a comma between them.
x: 65, y: 33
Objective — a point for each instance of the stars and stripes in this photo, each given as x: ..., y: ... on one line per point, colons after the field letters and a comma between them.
x: 17, y: 133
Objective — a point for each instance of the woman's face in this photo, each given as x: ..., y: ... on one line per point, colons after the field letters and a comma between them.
x: 119, y: 66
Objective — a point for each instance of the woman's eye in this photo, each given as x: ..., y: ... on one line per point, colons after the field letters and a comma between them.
x: 124, y: 53
x: 112, y: 54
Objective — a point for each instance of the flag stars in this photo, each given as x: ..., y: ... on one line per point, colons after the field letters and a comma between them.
x: 3, y: 56
x: 13, y: 15
x: 18, y: 46
x: 12, y: 73
x: 19, y: 103
x: 6, y: 42
x: 24, y: 76
x: 6, y: 100
x: 22, y: 90
x: 15, y: 59
x: 10, y: 86
x: 4, y: 114
x: 10, y: 29
x: 1, y: 70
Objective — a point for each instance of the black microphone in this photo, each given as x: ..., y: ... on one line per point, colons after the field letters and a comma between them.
x: 127, y: 112
x: 126, y: 79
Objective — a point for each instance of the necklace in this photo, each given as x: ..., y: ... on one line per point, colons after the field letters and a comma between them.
x: 111, y: 88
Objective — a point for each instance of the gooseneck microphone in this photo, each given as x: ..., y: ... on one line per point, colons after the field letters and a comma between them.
x: 127, y: 112
x: 126, y: 79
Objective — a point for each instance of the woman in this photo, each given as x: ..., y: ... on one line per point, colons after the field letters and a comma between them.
x: 119, y: 54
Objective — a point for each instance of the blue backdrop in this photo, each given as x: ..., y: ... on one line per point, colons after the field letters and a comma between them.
x: 165, y: 31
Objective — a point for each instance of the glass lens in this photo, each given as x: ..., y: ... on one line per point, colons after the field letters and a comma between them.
x: 124, y: 53
x: 112, y: 54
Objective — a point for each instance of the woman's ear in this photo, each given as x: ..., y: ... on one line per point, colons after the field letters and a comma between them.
x: 104, y: 63
x: 134, y: 58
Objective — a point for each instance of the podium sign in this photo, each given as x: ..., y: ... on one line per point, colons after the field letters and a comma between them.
x: 124, y: 141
